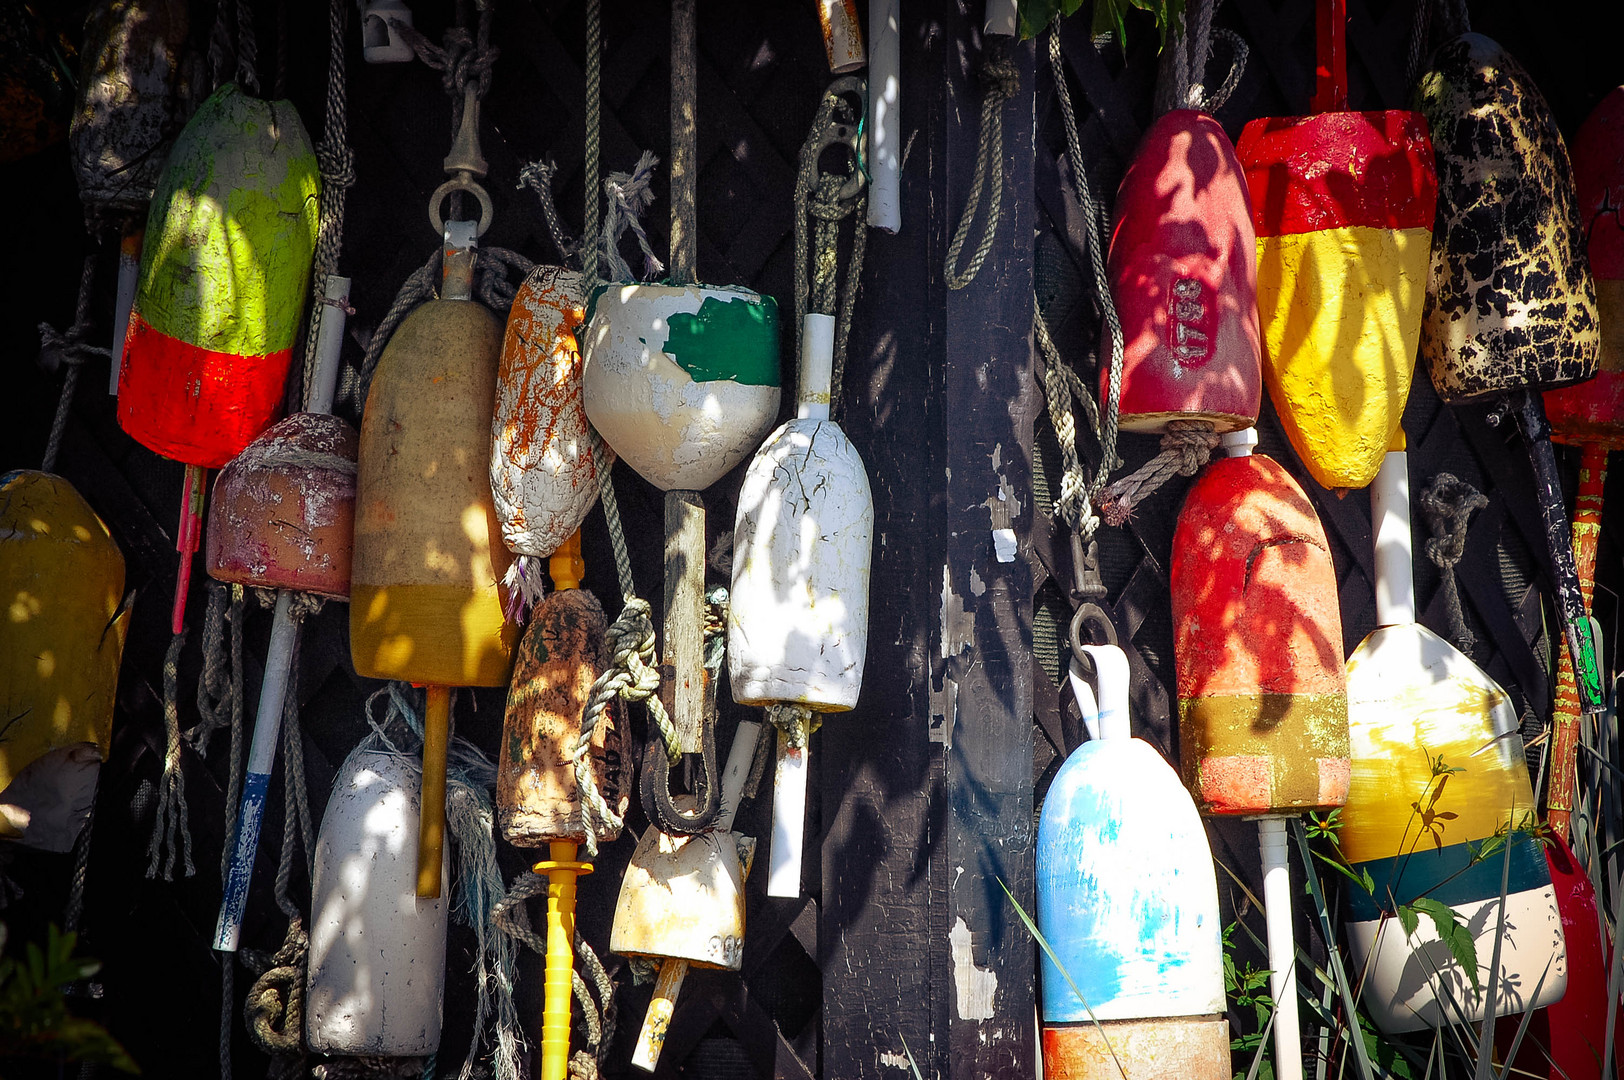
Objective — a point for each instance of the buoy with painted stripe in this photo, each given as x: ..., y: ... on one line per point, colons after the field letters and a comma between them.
x: 1438, y: 770
x: 425, y: 596
x: 376, y: 967
x: 1183, y: 270
x: 224, y: 271
x: 1257, y: 649
x: 543, y: 475
x: 1343, y: 204
x: 1511, y: 306
x: 1128, y: 900
x: 61, y: 636
x: 1590, y: 414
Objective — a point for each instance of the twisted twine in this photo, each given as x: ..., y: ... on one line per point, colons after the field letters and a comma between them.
x: 1186, y: 446
x: 630, y: 197
x: 337, y: 164
x: 1000, y: 80
x: 594, y: 113
x: 538, y: 177
x: 68, y: 350
x: 1448, y: 504
x: 273, y: 1011
x: 171, y: 828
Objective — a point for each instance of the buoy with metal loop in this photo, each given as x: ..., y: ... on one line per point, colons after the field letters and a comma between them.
x: 539, y: 794
x: 283, y: 518
x: 61, y: 636
x: 224, y: 272
x: 1439, y: 808
x: 1343, y: 203
x: 1511, y: 305
x: 803, y: 535
x: 1128, y: 902
x: 129, y: 101
x: 681, y: 380
x: 1263, y: 705
x: 1590, y: 414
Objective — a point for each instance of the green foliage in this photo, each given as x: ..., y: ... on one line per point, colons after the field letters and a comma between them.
x: 34, y: 1018
x: 1248, y: 987
x: 1110, y: 16
x: 1328, y: 829
x: 1450, y: 930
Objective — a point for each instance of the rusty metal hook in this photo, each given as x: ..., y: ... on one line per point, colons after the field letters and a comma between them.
x: 655, y: 787
x: 839, y: 122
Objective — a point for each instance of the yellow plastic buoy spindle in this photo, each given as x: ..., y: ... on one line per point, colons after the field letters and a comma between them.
x: 561, y: 871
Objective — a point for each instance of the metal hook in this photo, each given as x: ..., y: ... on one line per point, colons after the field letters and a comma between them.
x: 1094, y: 617
x: 466, y: 166
x: 655, y: 788
x: 840, y: 115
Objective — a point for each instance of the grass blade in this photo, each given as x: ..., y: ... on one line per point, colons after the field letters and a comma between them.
x: 1333, y: 951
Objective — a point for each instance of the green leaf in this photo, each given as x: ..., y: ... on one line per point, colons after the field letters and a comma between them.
x: 1408, y: 919
x: 1454, y: 934
x: 1032, y: 16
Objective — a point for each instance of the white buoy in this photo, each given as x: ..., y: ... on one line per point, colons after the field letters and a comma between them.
x: 377, y: 950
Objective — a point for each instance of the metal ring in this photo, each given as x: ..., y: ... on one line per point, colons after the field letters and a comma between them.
x: 1095, y: 617
x: 460, y: 182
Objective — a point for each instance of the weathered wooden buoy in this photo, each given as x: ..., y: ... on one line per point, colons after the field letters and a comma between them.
x: 1183, y: 269
x: 376, y: 970
x: 1565, y: 1040
x: 224, y: 271
x: 538, y: 799
x: 1128, y: 901
x: 1343, y: 204
x: 1511, y: 306
x: 798, y: 609
x: 283, y: 517
x: 543, y: 475
x: 682, y: 380
x: 1263, y: 708
x: 425, y: 601
x: 1438, y: 769
x: 61, y: 637
x: 1591, y: 414
x: 660, y: 914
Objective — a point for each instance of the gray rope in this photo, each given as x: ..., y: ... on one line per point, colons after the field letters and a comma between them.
x: 1186, y: 446
x: 1239, y: 52
x: 796, y: 721
x: 1060, y: 387
x: 629, y: 196
x: 68, y: 350
x: 538, y: 177
x: 1092, y: 214
x: 74, y: 912
x: 684, y: 136
x: 1000, y: 80
x: 1448, y: 504
x: 604, y: 466
x: 247, y: 51
x: 219, y: 686
x: 273, y: 1011
x: 593, y: 162
x: 228, y: 997
x: 171, y: 828
x: 337, y: 165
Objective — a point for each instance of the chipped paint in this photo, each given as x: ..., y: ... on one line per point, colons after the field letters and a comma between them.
x: 973, y: 986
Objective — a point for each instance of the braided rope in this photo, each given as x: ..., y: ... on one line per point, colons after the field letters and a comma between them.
x: 538, y: 177
x: 1239, y: 52
x: 795, y: 721
x: 1448, y: 504
x: 1060, y: 386
x: 337, y: 164
x: 594, y: 115
x: 171, y: 827
x: 70, y: 350
x: 1000, y: 80
x: 1186, y: 446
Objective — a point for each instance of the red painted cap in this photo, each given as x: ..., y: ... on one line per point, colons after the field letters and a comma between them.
x: 1598, y: 176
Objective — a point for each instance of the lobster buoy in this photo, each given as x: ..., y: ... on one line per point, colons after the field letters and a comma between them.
x: 224, y: 272
x: 283, y: 511
x: 1343, y: 205
x: 61, y: 637
x: 129, y: 84
x: 1263, y: 713
x: 543, y: 475
x: 376, y: 970
x: 1183, y: 272
x: 1438, y: 769
x: 682, y: 380
x: 425, y: 594
x: 1128, y: 901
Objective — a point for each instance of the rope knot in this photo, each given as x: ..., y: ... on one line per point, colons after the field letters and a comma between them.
x: 274, y: 1008
x: 1448, y: 504
x: 999, y: 77
x: 337, y: 163
x: 630, y: 197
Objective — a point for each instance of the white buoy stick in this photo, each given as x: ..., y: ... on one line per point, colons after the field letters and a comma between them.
x: 1390, y: 514
x: 651, y: 1039
x: 842, y: 37
x: 1271, y: 843
x: 278, y: 661
x: 129, y: 274
x: 1001, y: 18
x: 884, y: 118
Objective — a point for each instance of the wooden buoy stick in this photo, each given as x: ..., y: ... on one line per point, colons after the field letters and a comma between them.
x: 1331, y: 62
x: 129, y: 275
x: 1570, y: 600
x: 278, y: 662
x: 1288, y: 1049
x: 685, y: 614
x: 1586, y: 535
x: 651, y: 1038
x: 431, y: 827
x: 884, y: 120
x: 188, y: 536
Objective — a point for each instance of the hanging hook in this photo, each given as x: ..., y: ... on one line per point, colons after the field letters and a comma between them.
x: 840, y: 116
x: 465, y: 165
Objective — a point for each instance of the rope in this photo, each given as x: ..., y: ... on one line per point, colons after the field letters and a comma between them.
x: 538, y: 177
x: 172, y: 825
x: 464, y: 57
x: 594, y: 113
x: 1000, y: 80
x: 297, y: 828
x: 274, y: 1009
x: 1239, y: 51
x: 817, y: 257
x: 795, y: 721
x: 1186, y: 446
x: 219, y: 686
x: 629, y: 196
x: 228, y: 997
x: 1061, y: 386
x: 1086, y: 522
x: 684, y: 135
x: 70, y: 350
x: 337, y: 165
x: 1448, y: 504
x: 247, y: 50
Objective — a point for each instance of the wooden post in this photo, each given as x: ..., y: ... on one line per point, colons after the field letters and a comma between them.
x: 927, y: 788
